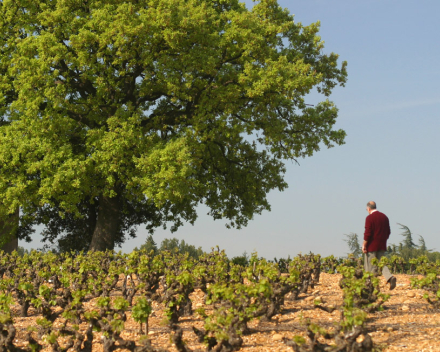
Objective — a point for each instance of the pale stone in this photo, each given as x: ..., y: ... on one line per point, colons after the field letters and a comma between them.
x: 411, y: 294
x: 277, y: 337
x: 405, y: 308
x: 360, y: 338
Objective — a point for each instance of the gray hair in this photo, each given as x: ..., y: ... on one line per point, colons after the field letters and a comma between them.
x: 371, y: 205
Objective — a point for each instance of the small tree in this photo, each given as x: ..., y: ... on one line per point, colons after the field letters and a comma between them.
x: 150, y: 245
x: 170, y: 244
x: 422, y: 246
x: 408, y: 242
x: 242, y: 260
x: 353, y: 244
x: 392, y: 249
x: 22, y: 251
x: 407, y: 247
x: 141, y: 312
x: 173, y: 245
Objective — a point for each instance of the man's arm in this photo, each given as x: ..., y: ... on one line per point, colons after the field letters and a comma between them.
x: 364, y: 246
x: 389, y: 229
x: 367, y: 234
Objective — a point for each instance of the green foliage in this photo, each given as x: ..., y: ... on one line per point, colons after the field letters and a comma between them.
x: 21, y: 251
x: 103, y: 129
x: 431, y: 283
x: 330, y: 263
x: 422, y: 245
x: 179, y: 283
x: 361, y: 295
x: 361, y: 290
x: 8, y: 228
x: 408, y: 240
x: 6, y: 301
x: 354, y: 245
x: 283, y: 263
x: 173, y: 245
x: 215, y: 267
x: 141, y: 312
x: 149, y: 245
x: 43, y: 322
x: 309, y: 269
x: 242, y: 260
x: 237, y: 304
x: 120, y: 303
x: 299, y: 340
x: 340, y: 339
x: 5, y: 318
x: 52, y: 338
x: 407, y: 249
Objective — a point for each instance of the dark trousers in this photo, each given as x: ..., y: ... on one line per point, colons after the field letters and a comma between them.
x: 372, y: 268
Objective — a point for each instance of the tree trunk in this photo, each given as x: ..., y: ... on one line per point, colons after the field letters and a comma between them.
x: 107, y: 224
x: 8, y: 230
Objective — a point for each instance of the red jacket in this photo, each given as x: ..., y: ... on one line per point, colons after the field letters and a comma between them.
x: 377, y: 231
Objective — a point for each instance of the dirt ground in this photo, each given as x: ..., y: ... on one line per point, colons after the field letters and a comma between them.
x: 406, y: 324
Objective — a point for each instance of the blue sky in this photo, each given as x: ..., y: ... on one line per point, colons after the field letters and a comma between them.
x: 390, y: 111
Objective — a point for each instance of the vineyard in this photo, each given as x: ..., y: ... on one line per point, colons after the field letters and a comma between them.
x: 105, y: 301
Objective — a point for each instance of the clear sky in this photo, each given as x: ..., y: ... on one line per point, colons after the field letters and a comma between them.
x: 390, y: 110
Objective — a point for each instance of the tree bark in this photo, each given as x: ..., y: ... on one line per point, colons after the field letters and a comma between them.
x: 107, y: 224
x: 8, y: 230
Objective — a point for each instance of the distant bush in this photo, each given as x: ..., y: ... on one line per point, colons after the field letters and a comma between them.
x: 242, y: 260
x: 172, y: 245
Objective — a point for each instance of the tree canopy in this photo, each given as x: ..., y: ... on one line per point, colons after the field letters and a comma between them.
x: 353, y: 244
x: 407, y: 248
x: 407, y: 242
x: 116, y: 113
x: 149, y: 245
x: 172, y: 245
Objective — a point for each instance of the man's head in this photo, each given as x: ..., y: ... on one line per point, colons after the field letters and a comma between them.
x: 371, y: 206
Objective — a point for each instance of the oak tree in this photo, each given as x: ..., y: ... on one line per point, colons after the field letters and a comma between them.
x: 118, y: 113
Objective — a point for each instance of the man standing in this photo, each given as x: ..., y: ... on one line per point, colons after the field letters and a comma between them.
x: 377, y: 231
